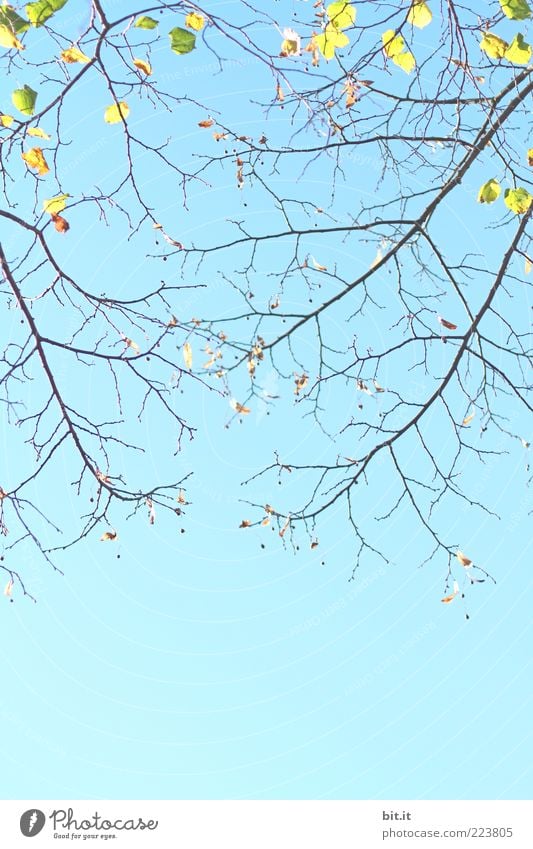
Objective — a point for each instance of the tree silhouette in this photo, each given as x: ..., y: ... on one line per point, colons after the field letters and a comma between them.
x: 390, y: 122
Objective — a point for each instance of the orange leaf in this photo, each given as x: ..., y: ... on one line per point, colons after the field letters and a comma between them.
x: 207, y: 122
x: 463, y: 559
x: 245, y: 523
x: 447, y: 324
x: 239, y: 408
x: 34, y: 158
x: 468, y: 419
x: 108, y: 535
x: 143, y: 66
x: 61, y: 224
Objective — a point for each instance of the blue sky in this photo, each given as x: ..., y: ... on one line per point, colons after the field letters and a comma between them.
x: 217, y: 662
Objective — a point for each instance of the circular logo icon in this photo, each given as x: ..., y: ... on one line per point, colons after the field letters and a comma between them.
x: 32, y: 822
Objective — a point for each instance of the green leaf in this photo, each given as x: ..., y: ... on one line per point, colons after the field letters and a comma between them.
x: 24, y: 100
x: 493, y: 45
x: 517, y: 10
x: 42, y: 10
x: 489, y: 191
x: 182, y: 41
x: 341, y: 14
x: 9, y: 18
x: 518, y: 52
x: 145, y: 22
x: 419, y: 15
x: 518, y: 200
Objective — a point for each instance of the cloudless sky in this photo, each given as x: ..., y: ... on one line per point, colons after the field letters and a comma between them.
x: 217, y: 662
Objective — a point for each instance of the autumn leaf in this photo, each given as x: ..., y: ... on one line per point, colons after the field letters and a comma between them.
x: 301, y: 382
x: 518, y: 200
x: 9, y: 39
x: 419, y: 15
x: 395, y: 49
x: 117, y: 112
x: 291, y: 44
x: 318, y: 266
x: 108, y: 536
x: 341, y: 14
x: 468, y: 419
x: 330, y: 40
x: 528, y: 265
x: 187, y: 355
x: 206, y: 123
x: 220, y: 136
x: 285, y: 526
x: 74, y: 54
x: 151, y: 511
x: 55, y: 204
x: 245, y: 523
x: 38, y: 133
x: 42, y: 10
x: 314, y: 544
x: 529, y: 156
x: 362, y: 387
x: 6, y: 120
x: 489, y: 191
x: 195, y: 21
x: 518, y: 52
x: 61, y: 224
x: 143, y: 66
x: 447, y: 324
x: 463, y: 559
x: 239, y: 408
x: 145, y: 22
x: 8, y: 589
x: 493, y: 45
x: 24, y: 100
x: 181, y: 41
x: 517, y: 10
x: 279, y: 93
x: 34, y: 158
x: 449, y: 598
x: 377, y: 387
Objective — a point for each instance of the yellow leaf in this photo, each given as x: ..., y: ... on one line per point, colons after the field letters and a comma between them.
x: 55, y: 205
x: 493, y: 45
x: 489, y: 192
x: 394, y: 47
x: 463, y: 559
x: 528, y: 265
x: 143, y: 66
x: 329, y: 41
x: 393, y: 44
x: 518, y: 52
x: 9, y: 39
x: 195, y: 21
x: 116, y: 113
x: 34, y: 158
x: 108, y: 535
x: 291, y: 44
x: 6, y: 120
x: 74, y: 54
x: 39, y: 133
x: 529, y: 153
x: 420, y: 14
x: 187, y: 355
x: 518, y: 200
